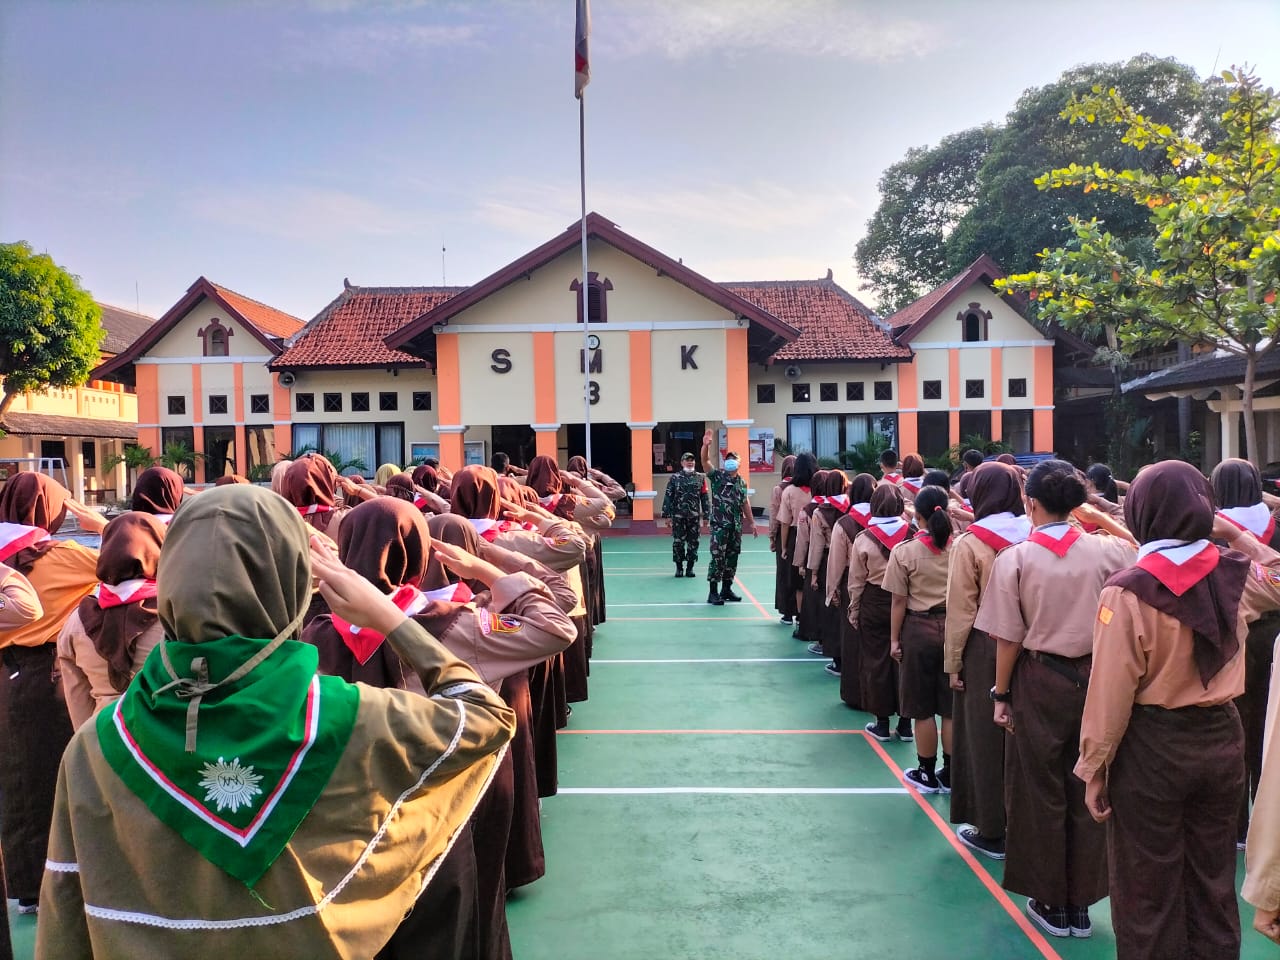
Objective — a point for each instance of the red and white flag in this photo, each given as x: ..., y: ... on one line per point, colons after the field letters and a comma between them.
x: 581, y: 62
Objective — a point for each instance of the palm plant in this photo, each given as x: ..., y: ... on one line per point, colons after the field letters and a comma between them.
x: 136, y: 458
x: 180, y: 458
x: 340, y: 463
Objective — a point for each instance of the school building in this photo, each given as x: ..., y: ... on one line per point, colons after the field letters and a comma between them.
x: 395, y: 374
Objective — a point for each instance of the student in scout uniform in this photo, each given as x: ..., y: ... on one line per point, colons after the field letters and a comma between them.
x: 615, y: 492
x: 912, y: 476
x: 870, y: 606
x: 730, y: 509
x: 685, y: 503
x: 807, y: 621
x: 916, y: 576
x: 847, y: 528
x: 1262, y: 860
x: 109, y: 636
x: 1039, y: 607
x: 1161, y: 747
x: 969, y: 658
x: 784, y: 598
x: 158, y: 491
x: 163, y: 844
x: 889, y: 471
x: 311, y: 484
x: 790, y: 508
x: 831, y: 506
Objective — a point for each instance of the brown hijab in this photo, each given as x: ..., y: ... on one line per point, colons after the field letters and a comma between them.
x: 452, y: 529
x: 475, y: 493
x: 310, y: 482
x: 426, y: 477
x: 33, y: 500
x: 887, y: 501
x: 788, y: 465
x: 401, y: 486
x: 544, y: 476
x: 130, y: 551
x: 159, y: 490
x: 995, y: 487
x: 1173, y: 501
x: 578, y: 465
x: 1236, y: 483
x: 230, y: 478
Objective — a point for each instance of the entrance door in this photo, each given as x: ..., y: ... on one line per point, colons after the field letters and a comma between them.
x: 517, y: 441
x: 610, y: 448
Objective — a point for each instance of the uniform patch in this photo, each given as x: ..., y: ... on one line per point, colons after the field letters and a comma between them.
x: 1104, y: 615
x: 1266, y: 575
x: 505, y: 624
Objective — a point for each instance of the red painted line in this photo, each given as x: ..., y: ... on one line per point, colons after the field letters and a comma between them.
x: 750, y: 596
x: 682, y: 619
x: 997, y: 891
x: 742, y: 732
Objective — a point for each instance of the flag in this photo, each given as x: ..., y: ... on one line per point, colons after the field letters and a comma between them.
x: 581, y: 62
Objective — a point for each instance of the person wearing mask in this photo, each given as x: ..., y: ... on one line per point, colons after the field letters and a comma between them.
x: 685, y: 504
x: 730, y: 509
x: 1039, y: 607
x: 233, y: 802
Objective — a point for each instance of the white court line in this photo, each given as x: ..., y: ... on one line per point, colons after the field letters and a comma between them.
x: 734, y: 791
x: 655, y: 572
x: 814, y: 660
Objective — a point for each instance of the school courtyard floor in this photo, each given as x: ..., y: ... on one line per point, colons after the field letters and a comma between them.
x: 718, y: 802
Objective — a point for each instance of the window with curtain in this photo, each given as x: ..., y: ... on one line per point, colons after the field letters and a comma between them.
x: 306, y: 436
x: 828, y: 435
x: 352, y: 442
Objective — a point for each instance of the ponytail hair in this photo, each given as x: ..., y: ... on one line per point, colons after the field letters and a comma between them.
x: 931, y: 513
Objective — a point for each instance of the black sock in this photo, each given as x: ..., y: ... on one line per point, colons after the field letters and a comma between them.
x: 927, y: 764
x: 946, y: 760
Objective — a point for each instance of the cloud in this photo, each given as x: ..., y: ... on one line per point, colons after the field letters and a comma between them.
x: 306, y: 214
x: 682, y: 29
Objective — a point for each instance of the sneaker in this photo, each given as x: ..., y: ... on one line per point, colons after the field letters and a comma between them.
x: 714, y: 598
x: 1052, y: 920
x: 816, y: 649
x: 879, y: 730
x: 28, y: 907
x: 903, y: 731
x: 785, y: 618
x: 795, y: 634
x: 1078, y: 922
x: 944, y: 778
x: 922, y: 780
x: 832, y: 669
x: 971, y: 838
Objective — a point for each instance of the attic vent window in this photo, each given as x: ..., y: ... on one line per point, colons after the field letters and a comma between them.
x: 973, y: 323
x: 216, y: 339
x: 597, y: 306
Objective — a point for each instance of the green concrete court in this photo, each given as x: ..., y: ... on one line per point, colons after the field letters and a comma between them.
x: 775, y: 829
x: 718, y: 802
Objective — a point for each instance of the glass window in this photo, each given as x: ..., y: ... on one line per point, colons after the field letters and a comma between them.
x: 854, y: 391
x: 217, y: 404
x: 828, y: 435
x: 260, y: 403
x: 800, y: 434
x: 219, y: 452
x: 304, y: 402
x: 799, y: 393
x: 933, y: 432
x: 931, y: 390
x: 764, y: 393
x: 333, y: 403
x: 1018, y: 431
x: 185, y: 438
x: 975, y: 389
x: 360, y: 402
x: 216, y: 342
x: 306, y: 436
x: 975, y: 423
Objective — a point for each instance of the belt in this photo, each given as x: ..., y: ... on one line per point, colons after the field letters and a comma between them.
x: 932, y: 613
x: 1063, y: 666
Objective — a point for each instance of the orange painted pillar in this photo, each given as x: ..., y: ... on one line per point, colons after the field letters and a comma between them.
x: 997, y: 392
x: 953, y: 399
x: 908, y: 405
x: 448, y: 382
x: 737, y: 414
x: 1042, y: 418
x: 147, y: 390
x: 640, y: 350
x: 545, y: 426
x: 197, y: 419
x: 282, y: 418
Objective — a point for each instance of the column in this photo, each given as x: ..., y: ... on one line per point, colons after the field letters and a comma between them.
x: 281, y: 418
x: 452, y: 447
x: 121, y: 480
x: 1042, y: 418
x: 997, y: 393
x: 451, y: 429
x: 544, y: 435
x: 737, y: 419
x: 642, y: 469
x: 197, y: 425
x: 908, y: 405
x: 953, y: 391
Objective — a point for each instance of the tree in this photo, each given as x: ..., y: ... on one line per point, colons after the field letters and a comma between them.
x: 1214, y: 229
x: 992, y: 204
x: 50, y: 327
x: 137, y: 458
x: 180, y: 458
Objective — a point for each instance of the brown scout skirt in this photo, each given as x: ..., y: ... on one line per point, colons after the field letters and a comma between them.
x: 850, y: 654
x: 923, y: 689
x: 526, y: 860
x: 878, y: 670
x: 977, y: 759
x: 786, y: 581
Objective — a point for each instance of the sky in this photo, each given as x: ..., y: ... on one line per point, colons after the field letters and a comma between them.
x: 278, y: 147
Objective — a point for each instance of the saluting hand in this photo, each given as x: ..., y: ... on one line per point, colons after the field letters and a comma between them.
x: 350, y: 595
x: 465, y: 563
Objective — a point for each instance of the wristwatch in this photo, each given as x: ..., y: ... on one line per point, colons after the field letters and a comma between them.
x: 998, y: 697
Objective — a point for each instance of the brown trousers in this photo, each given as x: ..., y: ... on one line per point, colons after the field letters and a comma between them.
x: 878, y: 670
x: 977, y: 759
x: 850, y: 654
x: 1056, y: 853
x: 1174, y: 785
x: 786, y: 580
x: 526, y: 859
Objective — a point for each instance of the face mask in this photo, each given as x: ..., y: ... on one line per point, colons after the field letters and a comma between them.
x: 688, y: 468
x: 731, y: 465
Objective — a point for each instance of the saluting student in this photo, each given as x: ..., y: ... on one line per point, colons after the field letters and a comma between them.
x: 1161, y: 747
x: 831, y: 506
x: 1039, y: 606
x: 784, y: 598
x: 969, y: 657
x: 870, y: 606
x: 916, y: 576
x: 847, y: 528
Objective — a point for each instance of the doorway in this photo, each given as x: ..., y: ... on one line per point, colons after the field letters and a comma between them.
x: 610, y: 448
x: 517, y: 441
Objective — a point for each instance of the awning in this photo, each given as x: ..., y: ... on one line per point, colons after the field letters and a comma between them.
x: 52, y: 425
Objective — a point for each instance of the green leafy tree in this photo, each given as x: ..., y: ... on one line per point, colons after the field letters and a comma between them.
x: 180, y: 458
x: 135, y: 457
x: 1213, y: 222
x: 50, y: 327
x: 943, y: 207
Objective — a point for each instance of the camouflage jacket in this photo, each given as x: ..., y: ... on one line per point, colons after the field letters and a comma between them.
x: 686, y: 496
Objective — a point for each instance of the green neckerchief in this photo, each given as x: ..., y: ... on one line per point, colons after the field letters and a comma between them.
x: 266, y: 744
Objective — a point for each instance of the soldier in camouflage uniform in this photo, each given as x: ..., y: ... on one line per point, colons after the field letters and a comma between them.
x: 730, y: 508
x: 685, y: 504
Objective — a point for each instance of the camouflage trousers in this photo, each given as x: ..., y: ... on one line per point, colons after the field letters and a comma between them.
x: 726, y: 544
x: 684, y: 539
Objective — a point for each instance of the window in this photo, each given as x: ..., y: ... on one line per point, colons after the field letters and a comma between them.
x: 973, y: 323
x: 884, y: 390
x: 216, y: 339
x: 259, y: 403
x: 304, y: 402
x: 219, y: 452
x: 54, y: 450
x: 421, y: 400
x: 89, y: 450
x: 932, y: 390
x: 333, y: 403
x: 260, y: 449
x: 360, y: 446
x: 360, y: 403
x: 975, y: 389
x: 828, y: 434
x: 853, y: 391
x: 177, y: 406
x: 1017, y: 430
x: 764, y: 393
x: 933, y: 432
x: 597, y: 306
x: 1017, y: 386
x: 218, y: 404
x: 799, y: 393
x: 975, y: 423
x: 388, y: 401
x: 184, y: 438
x: 828, y: 392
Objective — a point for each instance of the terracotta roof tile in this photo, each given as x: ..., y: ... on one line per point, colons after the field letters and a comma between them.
x: 917, y: 309
x: 122, y: 327
x: 269, y: 320
x: 833, y: 324
x: 54, y: 425
x: 350, y: 330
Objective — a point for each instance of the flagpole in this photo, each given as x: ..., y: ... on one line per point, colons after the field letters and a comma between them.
x: 586, y: 315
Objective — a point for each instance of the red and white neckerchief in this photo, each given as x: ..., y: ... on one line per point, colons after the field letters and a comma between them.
x: 860, y: 512
x: 913, y: 483
x: 1257, y: 519
x: 164, y: 518
x: 893, y: 478
x: 840, y: 501
x: 121, y: 594
x: 1179, y: 564
x: 489, y: 529
x: 820, y: 501
x: 1000, y: 530
x: 420, y: 501
x: 923, y: 537
x: 549, y: 503
x: 314, y: 508
x: 363, y: 642
x: 890, y: 531
x: 18, y: 536
x: 1056, y: 537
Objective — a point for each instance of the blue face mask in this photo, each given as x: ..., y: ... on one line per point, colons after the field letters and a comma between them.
x: 731, y: 465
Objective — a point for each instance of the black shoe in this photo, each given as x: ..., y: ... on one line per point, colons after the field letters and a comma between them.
x: 944, y: 778
x: 726, y: 592
x: 785, y: 618
x: 1053, y: 920
x: 976, y: 842
x: 679, y: 570
x: 903, y: 732
x: 1078, y: 922
x: 688, y: 570
x: 714, y: 598
x: 879, y: 730
x: 923, y: 780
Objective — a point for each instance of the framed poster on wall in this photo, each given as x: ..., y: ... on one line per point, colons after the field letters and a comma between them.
x: 759, y: 448
x: 473, y: 451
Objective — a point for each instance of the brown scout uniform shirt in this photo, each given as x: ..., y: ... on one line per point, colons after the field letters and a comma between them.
x: 917, y: 573
x: 791, y: 509
x: 86, y: 682
x: 63, y: 577
x: 19, y: 602
x: 837, y: 563
x: 971, y: 563
x: 867, y: 563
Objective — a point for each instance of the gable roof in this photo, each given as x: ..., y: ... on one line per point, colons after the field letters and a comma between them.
x: 269, y: 325
x: 767, y: 332
x: 122, y: 327
x: 914, y: 317
x: 350, y: 331
x: 833, y: 324
x: 26, y: 424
